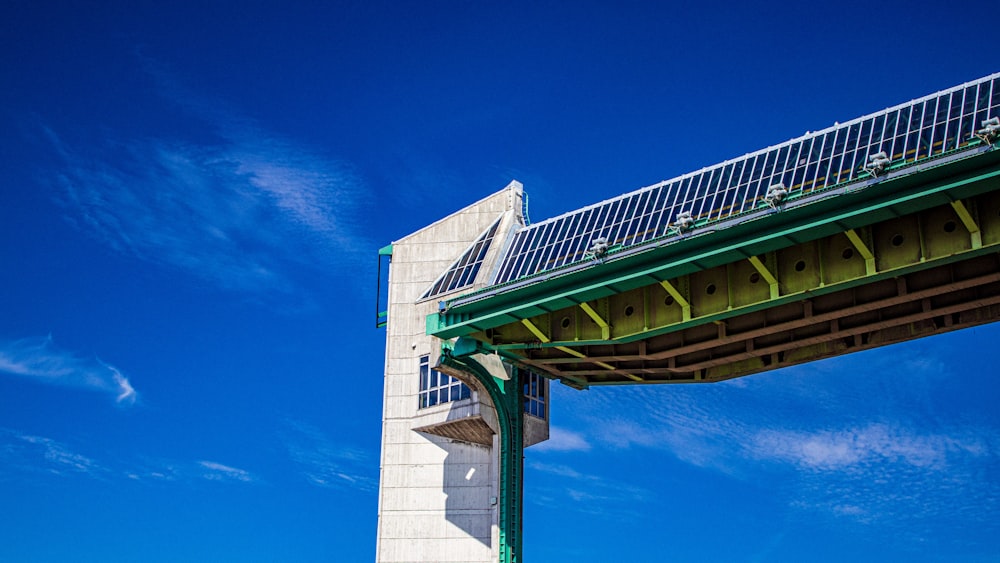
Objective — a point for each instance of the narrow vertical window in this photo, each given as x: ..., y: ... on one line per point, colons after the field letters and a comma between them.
x: 534, y: 395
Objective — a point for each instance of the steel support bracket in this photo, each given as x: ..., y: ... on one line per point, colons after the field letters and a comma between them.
x: 507, y: 397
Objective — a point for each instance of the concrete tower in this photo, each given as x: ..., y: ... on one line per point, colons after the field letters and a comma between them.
x: 439, y: 481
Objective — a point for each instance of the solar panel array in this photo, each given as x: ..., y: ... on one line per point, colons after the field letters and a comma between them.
x: 463, y: 271
x: 924, y: 128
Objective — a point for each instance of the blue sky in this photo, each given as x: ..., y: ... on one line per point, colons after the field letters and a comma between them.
x: 192, y: 200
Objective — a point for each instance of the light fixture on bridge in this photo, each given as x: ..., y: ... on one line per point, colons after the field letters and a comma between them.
x: 683, y: 222
x: 990, y: 130
x: 598, y: 248
x: 877, y: 163
x: 775, y: 194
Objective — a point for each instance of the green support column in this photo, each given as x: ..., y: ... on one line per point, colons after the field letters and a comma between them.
x: 507, y: 397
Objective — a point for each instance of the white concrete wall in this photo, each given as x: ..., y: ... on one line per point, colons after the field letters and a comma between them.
x: 435, y: 494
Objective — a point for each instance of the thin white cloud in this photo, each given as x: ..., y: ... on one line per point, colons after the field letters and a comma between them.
x: 29, y: 454
x: 215, y: 471
x: 40, y: 360
x: 556, y: 469
x: 245, y: 213
x: 37, y: 454
x: 881, y: 451
x: 324, y: 463
x: 562, y: 440
x: 851, y: 448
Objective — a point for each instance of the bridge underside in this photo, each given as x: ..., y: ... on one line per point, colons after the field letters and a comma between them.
x: 919, y: 303
x: 902, y: 272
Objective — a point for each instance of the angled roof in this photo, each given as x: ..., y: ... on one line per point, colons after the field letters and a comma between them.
x: 815, y: 164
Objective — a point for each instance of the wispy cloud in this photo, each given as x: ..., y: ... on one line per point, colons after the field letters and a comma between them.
x: 214, y: 471
x: 856, y: 447
x: 40, y: 360
x: 557, y: 469
x: 240, y: 207
x: 37, y: 454
x: 325, y: 463
x: 29, y: 454
x: 562, y: 440
x: 589, y: 493
x: 893, y: 451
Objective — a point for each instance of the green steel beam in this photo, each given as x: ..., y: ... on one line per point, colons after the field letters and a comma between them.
x: 684, y: 303
x: 736, y: 311
x: 772, y: 282
x: 508, y: 400
x: 863, y: 250
x: 597, y: 318
x: 890, y: 198
x: 969, y: 222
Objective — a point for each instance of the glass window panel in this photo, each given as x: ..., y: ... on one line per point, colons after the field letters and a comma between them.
x: 770, y: 164
x: 721, y: 190
x: 682, y: 191
x: 648, y: 228
x: 903, y: 132
x: 943, y: 103
x: 562, y: 255
x: 930, y: 106
x: 638, y: 221
x: 851, y: 164
x: 865, y: 137
x: 602, y: 216
x: 801, y: 165
x: 937, y: 137
x: 744, y: 182
x: 969, y: 103
x: 881, y: 130
x: 954, y: 136
x: 737, y: 176
x: 836, y: 157
x: 955, y: 111
x: 702, y: 182
x: 758, y: 166
x: 536, y: 258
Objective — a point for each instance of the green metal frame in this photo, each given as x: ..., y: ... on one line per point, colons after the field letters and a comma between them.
x: 934, y: 185
x: 381, y: 316
x: 509, y: 402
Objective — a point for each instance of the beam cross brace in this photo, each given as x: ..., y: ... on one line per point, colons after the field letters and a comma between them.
x: 605, y: 327
x: 969, y: 222
x: 772, y: 282
x: 684, y: 303
x: 576, y: 353
x: 863, y: 250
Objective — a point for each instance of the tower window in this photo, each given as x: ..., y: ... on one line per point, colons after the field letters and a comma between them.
x: 534, y: 395
x: 437, y: 387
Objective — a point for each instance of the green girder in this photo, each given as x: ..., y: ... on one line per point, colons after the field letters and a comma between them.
x: 509, y: 402
x: 928, y: 187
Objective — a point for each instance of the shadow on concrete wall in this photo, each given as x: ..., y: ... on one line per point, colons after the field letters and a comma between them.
x: 466, y: 480
x: 467, y: 477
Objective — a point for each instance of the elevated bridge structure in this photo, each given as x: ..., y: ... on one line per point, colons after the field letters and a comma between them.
x: 877, y: 230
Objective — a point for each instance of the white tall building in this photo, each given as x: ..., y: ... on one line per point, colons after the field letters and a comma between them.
x: 439, y: 489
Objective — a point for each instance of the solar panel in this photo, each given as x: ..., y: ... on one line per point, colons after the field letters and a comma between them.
x: 907, y: 133
x: 463, y: 271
